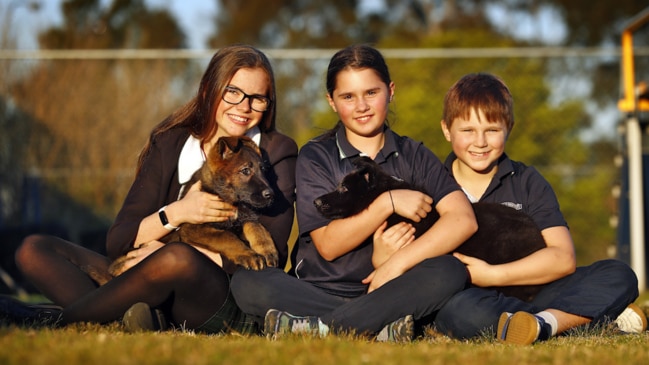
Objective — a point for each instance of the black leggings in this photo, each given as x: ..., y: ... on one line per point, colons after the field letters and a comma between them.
x: 178, y: 279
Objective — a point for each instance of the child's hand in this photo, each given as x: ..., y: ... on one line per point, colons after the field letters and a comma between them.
x: 382, y: 275
x: 480, y: 271
x: 201, y: 207
x: 410, y: 204
x: 388, y: 241
x: 134, y: 257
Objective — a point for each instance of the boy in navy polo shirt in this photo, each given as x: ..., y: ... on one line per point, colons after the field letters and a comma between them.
x: 478, y: 117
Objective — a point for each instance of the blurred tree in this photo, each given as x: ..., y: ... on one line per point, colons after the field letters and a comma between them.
x: 92, y: 117
x: 123, y: 24
x: 289, y: 23
x: 589, y: 23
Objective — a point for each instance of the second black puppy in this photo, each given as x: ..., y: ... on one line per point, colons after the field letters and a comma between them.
x: 504, y: 234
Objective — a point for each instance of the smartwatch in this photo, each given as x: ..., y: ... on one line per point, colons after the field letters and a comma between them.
x: 164, y: 220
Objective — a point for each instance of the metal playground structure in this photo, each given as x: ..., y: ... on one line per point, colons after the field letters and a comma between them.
x: 634, y: 104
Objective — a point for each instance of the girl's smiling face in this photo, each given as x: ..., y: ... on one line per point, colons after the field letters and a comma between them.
x: 361, y: 100
x: 236, y: 120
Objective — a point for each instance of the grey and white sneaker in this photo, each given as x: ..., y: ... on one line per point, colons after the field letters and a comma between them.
x: 402, y: 330
x: 277, y: 323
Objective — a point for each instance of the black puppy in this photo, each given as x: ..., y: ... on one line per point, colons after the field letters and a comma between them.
x: 504, y: 234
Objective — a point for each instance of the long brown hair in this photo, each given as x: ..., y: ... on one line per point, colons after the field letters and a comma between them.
x: 198, y: 114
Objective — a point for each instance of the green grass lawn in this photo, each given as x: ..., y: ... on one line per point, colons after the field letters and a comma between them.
x: 93, y: 344
x: 109, y: 344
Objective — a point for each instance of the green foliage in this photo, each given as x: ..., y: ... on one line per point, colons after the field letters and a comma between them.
x: 88, y: 119
x: 289, y: 23
x: 600, y: 23
x: 124, y: 24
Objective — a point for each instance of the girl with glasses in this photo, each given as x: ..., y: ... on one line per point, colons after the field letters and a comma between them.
x: 179, y: 283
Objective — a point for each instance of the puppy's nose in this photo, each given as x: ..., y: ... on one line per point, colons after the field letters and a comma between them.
x: 317, y: 202
x: 267, y: 194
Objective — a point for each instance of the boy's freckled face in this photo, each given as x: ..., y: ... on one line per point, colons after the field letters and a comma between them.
x: 476, y: 142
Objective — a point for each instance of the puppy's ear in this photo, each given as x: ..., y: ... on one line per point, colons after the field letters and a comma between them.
x: 248, y: 142
x: 226, y: 146
x: 366, y: 176
x: 370, y: 177
x: 363, y: 162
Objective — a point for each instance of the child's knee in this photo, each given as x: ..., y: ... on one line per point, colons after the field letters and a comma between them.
x: 30, y: 247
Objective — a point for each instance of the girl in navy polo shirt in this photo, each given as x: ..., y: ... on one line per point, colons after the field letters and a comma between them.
x: 347, y: 276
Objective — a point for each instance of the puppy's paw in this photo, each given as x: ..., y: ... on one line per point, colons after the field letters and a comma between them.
x: 251, y: 261
x: 119, y: 266
x: 271, y: 259
x: 100, y: 277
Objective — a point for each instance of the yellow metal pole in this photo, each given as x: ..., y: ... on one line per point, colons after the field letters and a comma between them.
x: 627, y: 104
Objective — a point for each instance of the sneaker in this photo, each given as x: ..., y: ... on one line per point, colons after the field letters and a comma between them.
x: 632, y: 320
x: 401, y: 331
x: 278, y: 323
x: 13, y: 311
x: 521, y: 328
x: 140, y: 317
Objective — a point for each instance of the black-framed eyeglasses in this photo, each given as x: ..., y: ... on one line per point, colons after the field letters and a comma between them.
x: 234, y: 95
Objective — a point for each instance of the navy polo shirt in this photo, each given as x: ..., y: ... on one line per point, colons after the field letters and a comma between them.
x: 321, y: 164
x: 523, y: 188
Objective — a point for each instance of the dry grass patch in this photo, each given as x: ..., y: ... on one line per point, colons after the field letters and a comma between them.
x: 91, y: 344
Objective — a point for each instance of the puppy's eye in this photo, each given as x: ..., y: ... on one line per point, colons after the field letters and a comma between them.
x: 246, y: 171
x: 342, y: 189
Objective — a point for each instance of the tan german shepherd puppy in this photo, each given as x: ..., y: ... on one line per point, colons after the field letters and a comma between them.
x: 233, y: 171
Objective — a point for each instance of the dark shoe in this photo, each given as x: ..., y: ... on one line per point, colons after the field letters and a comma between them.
x: 140, y: 317
x: 402, y: 331
x: 13, y: 311
x: 277, y: 323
